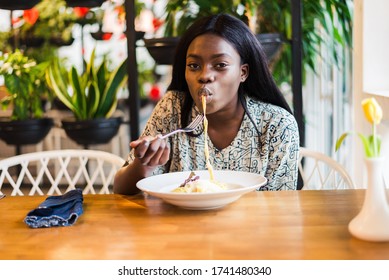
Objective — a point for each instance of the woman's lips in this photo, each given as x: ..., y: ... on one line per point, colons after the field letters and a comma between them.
x: 207, y: 93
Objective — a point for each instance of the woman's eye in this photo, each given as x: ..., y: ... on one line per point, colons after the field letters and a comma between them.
x: 193, y: 66
x: 221, y: 65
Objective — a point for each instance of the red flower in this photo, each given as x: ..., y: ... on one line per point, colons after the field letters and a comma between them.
x: 157, y: 23
x: 107, y: 36
x: 122, y: 36
x: 31, y: 16
x: 81, y: 11
x: 121, y: 13
x: 120, y: 10
x: 155, y: 93
x: 15, y: 20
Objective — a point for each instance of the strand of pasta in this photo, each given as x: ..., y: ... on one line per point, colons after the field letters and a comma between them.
x: 206, y: 149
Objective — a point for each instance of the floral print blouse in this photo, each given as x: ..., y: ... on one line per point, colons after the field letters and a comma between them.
x: 271, y: 149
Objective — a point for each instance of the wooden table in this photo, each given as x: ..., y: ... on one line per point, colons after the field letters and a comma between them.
x: 260, y: 225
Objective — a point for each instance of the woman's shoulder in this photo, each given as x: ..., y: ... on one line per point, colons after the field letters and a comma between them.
x: 172, y: 96
x: 170, y: 101
x: 258, y: 108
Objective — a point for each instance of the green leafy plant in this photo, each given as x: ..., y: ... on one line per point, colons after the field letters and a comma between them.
x: 324, y: 23
x: 90, y: 95
x: 371, y: 143
x: 180, y: 14
x: 24, y: 80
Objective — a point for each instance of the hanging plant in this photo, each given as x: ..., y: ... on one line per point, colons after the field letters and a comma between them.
x: 18, y: 4
x: 85, y: 3
x: 327, y: 23
x: 324, y: 23
x: 25, y: 82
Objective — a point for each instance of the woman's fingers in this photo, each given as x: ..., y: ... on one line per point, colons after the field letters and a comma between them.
x: 157, y: 158
x: 141, y: 145
x: 151, y: 151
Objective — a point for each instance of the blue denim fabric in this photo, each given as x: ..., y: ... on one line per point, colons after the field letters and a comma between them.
x: 62, y: 210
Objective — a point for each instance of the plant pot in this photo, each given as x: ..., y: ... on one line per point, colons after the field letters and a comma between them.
x: 101, y: 36
x: 271, y: 44
x: 28, y: 41
x: 25, y: 132
x: 91, y: 132
x: 84, y: 3
x: 59, y: 42
x: 18, y: 4
x: 162, y: 50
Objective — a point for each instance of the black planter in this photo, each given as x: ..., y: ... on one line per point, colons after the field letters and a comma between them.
x: 91, y: 132
x: 28, y: 41
x: 271, y: 43
x: 25, y: 132
x: 84, y: 3
x: 162, y: 50
x: 59, y: 42
x: 100, y: 35
x: 18, y: 4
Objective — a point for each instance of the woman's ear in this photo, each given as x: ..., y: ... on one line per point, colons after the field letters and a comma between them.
x: 244, y: 72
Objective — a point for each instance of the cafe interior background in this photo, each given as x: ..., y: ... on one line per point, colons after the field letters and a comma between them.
x: 332, y: 92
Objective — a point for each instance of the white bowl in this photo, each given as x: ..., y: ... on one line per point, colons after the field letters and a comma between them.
x: 237, y: 182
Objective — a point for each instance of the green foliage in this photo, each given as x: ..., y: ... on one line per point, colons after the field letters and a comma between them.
x: 25, y: 83
x: 324, y: 23
x: 180, y: 14
x: 89, y: 95
x: 371, y: 144
x: 55, y: 19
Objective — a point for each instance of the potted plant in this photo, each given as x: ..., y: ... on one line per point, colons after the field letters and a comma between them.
x: 24, y: 80
x: 91, y: 97
x: 49, y: 21
x: 180, y: 14
x: 17, y: 4
x: 40, y: 30
x: 271, y: 21
x: 325, y: 23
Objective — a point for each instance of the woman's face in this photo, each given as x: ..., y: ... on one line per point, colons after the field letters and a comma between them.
x: 213, y: 68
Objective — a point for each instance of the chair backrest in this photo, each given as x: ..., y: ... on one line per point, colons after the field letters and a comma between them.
x: 319, y: 171
x: 58, y: 171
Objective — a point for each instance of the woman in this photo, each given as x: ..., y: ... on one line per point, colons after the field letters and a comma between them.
x: 250, y: 125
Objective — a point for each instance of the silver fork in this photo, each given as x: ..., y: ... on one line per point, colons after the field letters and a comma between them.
x: 192, y: 126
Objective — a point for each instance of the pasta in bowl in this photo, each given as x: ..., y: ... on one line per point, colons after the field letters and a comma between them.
x: 234, y: 185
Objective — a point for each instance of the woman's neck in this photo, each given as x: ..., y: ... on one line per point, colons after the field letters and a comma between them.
x: 223, y: 127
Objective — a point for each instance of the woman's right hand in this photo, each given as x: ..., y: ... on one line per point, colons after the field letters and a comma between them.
x: 151, y: 151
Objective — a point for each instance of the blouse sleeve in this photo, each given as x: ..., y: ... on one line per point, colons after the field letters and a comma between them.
x: 282, y: 169
x: 162, y: 119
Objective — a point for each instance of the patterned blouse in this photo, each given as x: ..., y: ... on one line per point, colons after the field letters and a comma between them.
x: 270, y: 150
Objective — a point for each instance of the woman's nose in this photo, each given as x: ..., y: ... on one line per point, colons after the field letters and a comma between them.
x: 206, y: 76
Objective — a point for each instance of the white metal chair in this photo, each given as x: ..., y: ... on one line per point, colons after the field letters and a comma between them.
x: 319, y: 171
x: 58, y: 171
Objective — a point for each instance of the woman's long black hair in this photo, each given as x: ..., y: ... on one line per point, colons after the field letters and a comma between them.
x: 259, y: 85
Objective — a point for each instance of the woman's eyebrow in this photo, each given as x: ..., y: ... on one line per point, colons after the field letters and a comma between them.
x: 213, y: 56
